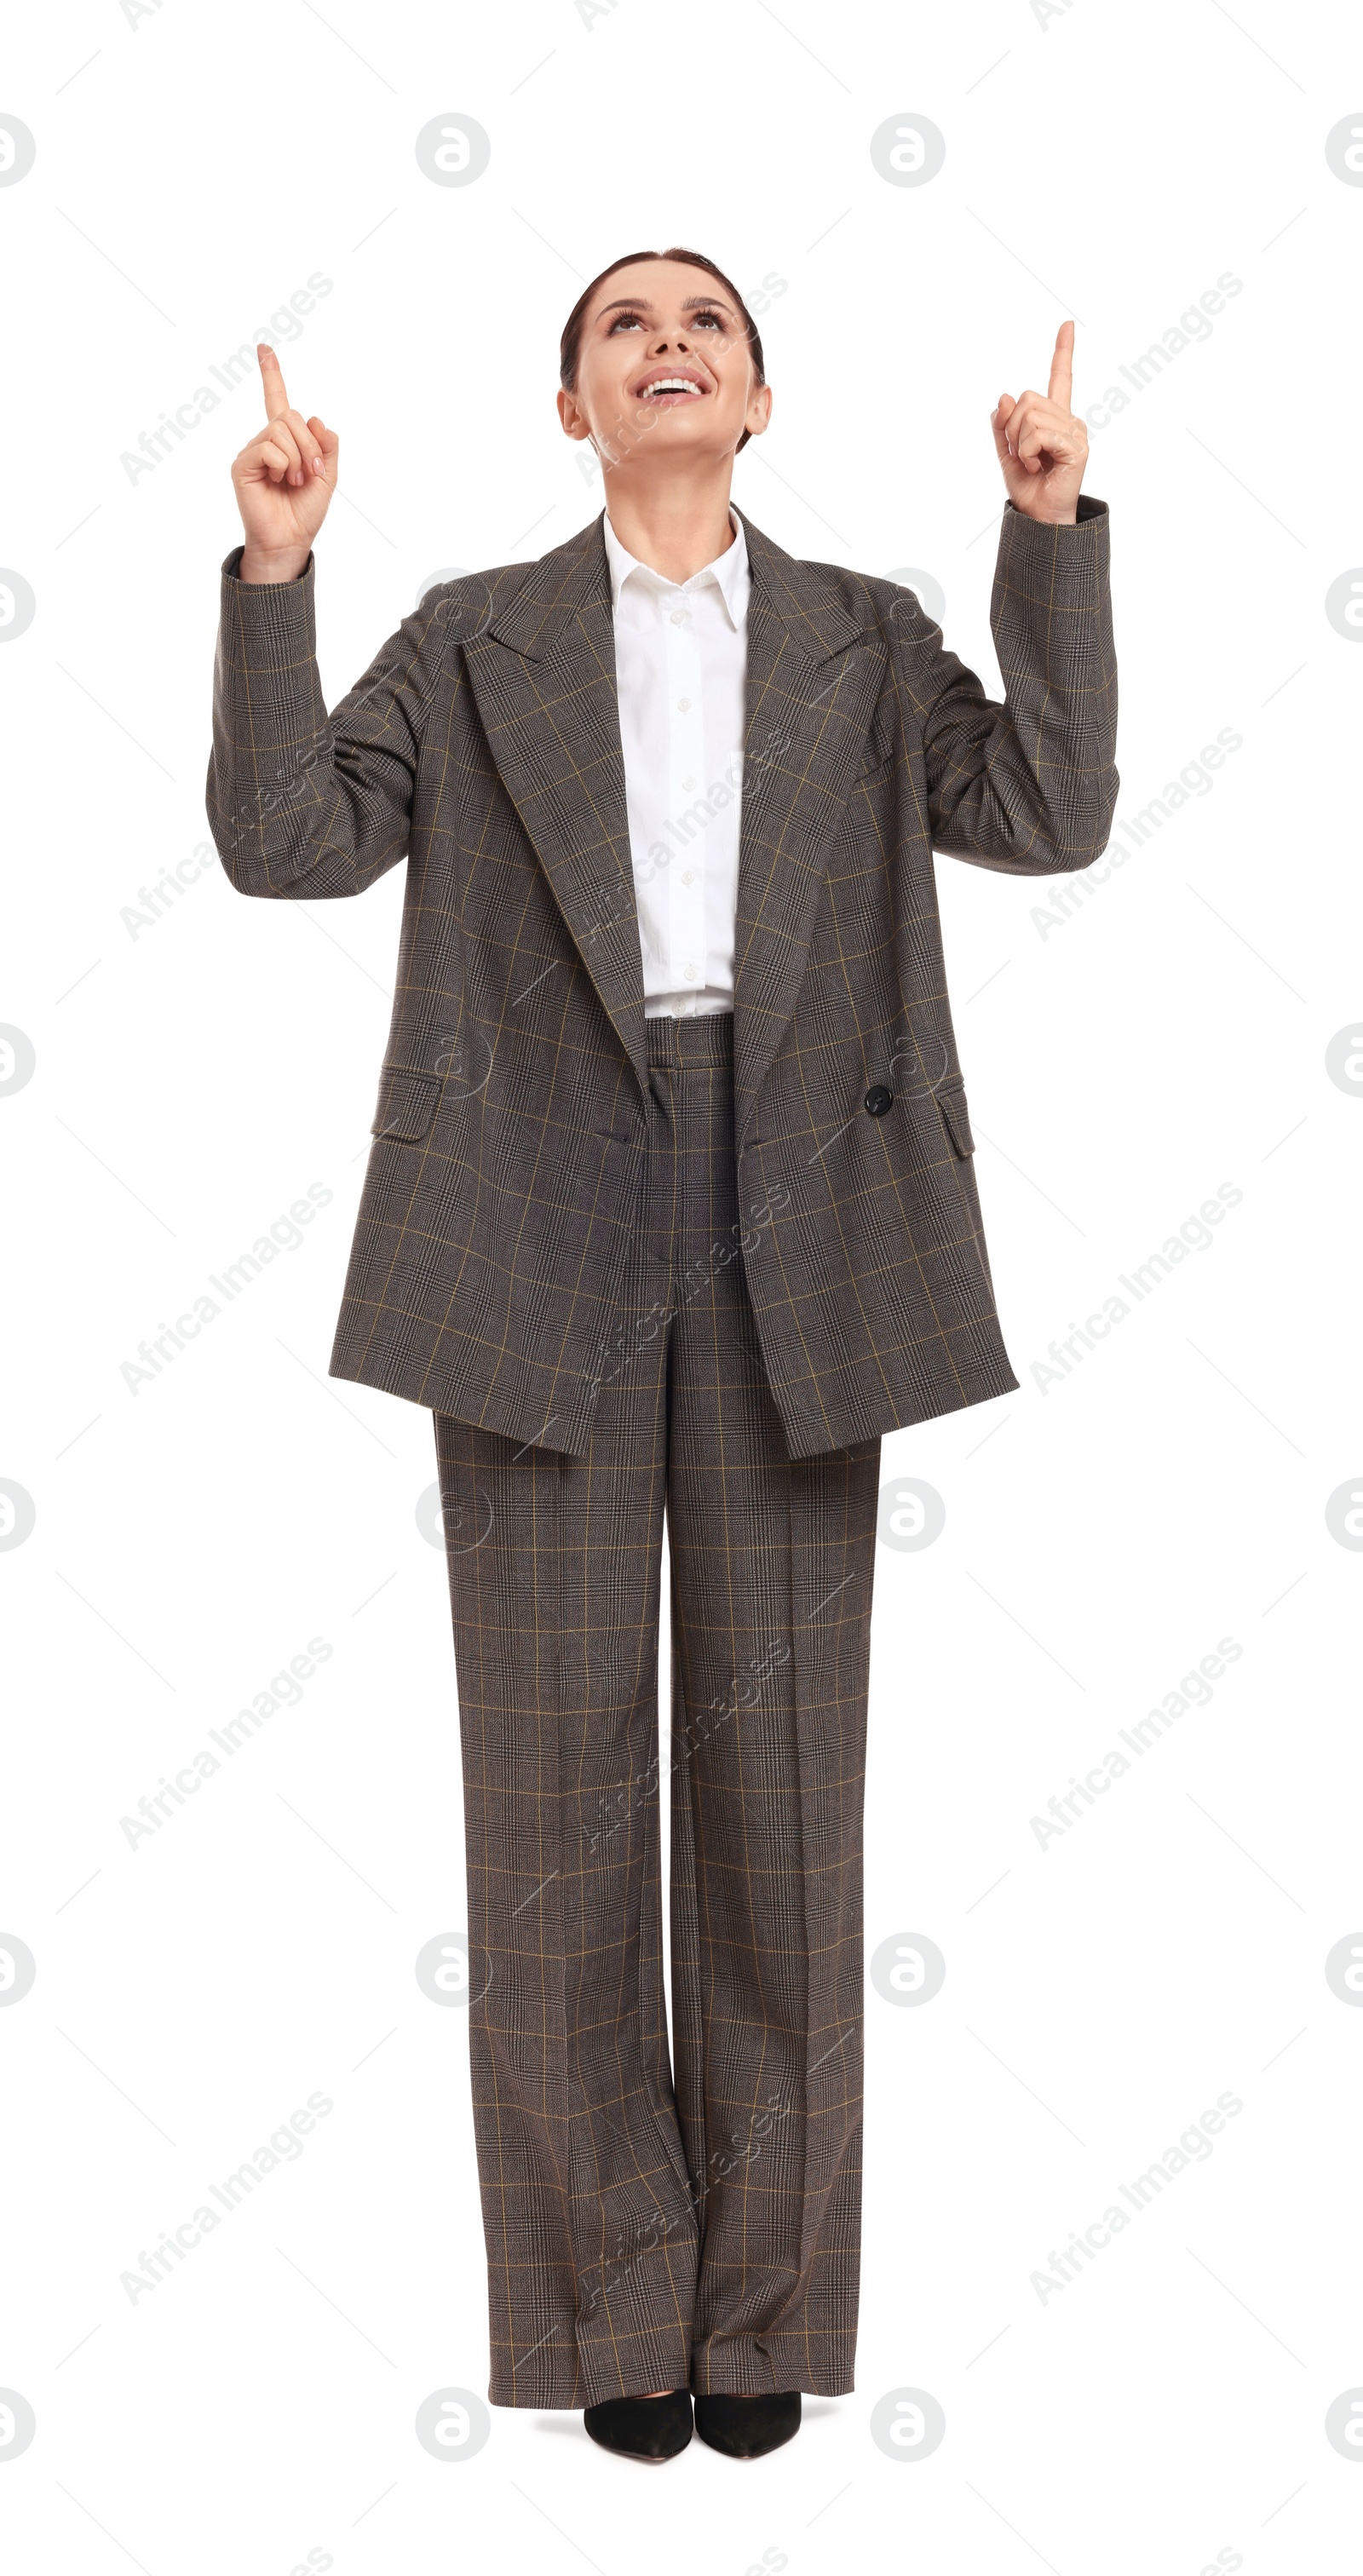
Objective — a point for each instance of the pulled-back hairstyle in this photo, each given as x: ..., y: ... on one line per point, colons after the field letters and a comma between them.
x: 571, y: 343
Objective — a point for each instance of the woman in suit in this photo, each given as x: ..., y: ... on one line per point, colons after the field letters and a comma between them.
x: 670, y: 1215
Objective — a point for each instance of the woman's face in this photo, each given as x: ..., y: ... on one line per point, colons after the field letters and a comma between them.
x: 664, y: 372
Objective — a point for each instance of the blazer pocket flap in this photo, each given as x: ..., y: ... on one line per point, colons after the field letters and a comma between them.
x: 407, y: 1103
x: 952, y: 1103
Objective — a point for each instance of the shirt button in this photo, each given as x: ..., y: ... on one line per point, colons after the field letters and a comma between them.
x: 690, y: 974
x: 683, y: 706
x: 688, y: 876
x: 688, y: 785
x: 679, y: 616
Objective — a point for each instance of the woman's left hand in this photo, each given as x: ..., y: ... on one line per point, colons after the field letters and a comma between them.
x: 1041, y: 446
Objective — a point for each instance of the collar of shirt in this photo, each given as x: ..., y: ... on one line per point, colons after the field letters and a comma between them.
x: 729, y: 574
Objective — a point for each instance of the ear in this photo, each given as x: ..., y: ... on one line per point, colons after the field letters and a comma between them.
x: 758, y: 412
x: 570, y: 413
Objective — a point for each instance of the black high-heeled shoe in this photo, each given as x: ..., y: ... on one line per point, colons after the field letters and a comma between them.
x: 748, y: 2427
x: 642, y: 2428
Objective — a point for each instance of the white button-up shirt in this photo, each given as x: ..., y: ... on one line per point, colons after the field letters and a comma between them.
x: 681, y: 651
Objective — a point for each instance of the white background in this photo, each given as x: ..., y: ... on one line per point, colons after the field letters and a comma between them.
x: 1166, y: 2409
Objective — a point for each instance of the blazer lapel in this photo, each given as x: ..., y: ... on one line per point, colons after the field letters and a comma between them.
x: 543, y: 679
x: 811, y: 692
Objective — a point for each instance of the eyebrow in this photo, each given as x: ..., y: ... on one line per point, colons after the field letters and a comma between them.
x: 641, y: 304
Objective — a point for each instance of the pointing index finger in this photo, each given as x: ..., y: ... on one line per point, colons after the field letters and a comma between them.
x: 272, y: 379
x: 1062, y: 372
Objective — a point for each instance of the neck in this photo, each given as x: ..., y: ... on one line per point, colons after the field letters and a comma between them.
x: 676, y: 526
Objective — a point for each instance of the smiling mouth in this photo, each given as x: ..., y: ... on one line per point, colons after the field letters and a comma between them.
x: 667, y: 390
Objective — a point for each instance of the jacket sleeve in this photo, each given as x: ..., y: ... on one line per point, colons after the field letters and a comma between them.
x: 299, y: 802
x: 1028, y: 787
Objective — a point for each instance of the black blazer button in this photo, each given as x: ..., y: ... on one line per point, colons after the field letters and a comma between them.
x: 878, y: 1100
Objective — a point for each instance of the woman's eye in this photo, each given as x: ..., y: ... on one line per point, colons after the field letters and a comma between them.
x: 633, y: 322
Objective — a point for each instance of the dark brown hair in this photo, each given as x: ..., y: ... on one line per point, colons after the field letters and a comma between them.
x: 571, y: 343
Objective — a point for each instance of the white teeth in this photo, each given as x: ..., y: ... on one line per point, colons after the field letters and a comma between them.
x: 672, y: 385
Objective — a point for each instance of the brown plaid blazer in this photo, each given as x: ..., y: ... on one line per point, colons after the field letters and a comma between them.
x: 504, y: 1182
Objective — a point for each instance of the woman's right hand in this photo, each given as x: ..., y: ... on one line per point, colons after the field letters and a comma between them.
x: 284, y: 480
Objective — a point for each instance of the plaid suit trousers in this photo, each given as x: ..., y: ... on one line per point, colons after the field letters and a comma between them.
x: 655, y: 2225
